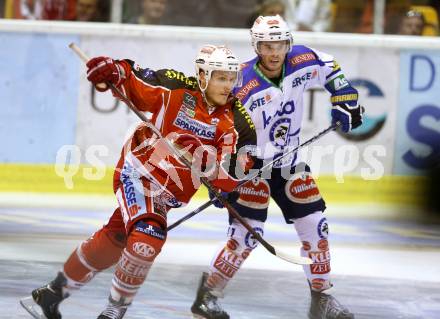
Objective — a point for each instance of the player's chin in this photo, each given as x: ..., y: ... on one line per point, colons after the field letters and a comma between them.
x: 220, y: 100
x: 275, y: 66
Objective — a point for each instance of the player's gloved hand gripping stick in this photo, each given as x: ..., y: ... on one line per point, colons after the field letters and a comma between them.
x: 290, y: 258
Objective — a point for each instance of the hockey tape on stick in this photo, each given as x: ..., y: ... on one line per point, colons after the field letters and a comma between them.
x: 85, y: 59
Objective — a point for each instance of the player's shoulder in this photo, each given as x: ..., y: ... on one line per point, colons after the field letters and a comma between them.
x: 301, y: 53
x: 243, y: 125
x: 241, y: 116
x: 301, y: 56
x: 173, y: 79
x: 248, y: 66
x: 299, y: 49
x: 248, y: 69
x: 167, y: 78
x: 251, y: 81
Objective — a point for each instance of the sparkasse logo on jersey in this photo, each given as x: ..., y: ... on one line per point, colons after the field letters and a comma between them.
x: 130, y: 195
x: 247, y: 88
x: 200, y: 129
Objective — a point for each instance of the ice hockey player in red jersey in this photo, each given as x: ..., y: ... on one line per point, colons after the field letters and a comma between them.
x: 201, y: 119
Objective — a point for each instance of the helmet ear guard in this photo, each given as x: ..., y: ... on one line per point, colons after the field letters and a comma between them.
x: 270, y: 28
x: 216, y: 58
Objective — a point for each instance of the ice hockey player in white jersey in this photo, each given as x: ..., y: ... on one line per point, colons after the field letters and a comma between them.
x: 274, y: 83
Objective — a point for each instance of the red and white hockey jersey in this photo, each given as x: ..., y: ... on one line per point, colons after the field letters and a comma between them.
x: 181, y: 114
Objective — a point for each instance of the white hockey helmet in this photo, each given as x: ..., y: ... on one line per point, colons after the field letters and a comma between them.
x: 270, y: 28
x: 216, y: 58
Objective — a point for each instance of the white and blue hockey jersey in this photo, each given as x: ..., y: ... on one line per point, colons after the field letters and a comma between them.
x: 277, y: 110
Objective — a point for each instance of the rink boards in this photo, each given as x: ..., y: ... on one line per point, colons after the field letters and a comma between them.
x: 58, y: 118
x: 20, y: 178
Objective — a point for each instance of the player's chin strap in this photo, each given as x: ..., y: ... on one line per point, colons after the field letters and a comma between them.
x: 211, y: 108
x: 258, y: 173
x: 290, y: 258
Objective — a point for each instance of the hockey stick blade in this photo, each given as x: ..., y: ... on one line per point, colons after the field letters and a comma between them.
x: 32, y: 308
x: 298, y: 260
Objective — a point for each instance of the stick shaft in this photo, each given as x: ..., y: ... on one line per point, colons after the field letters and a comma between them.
x: 204, y: 180
x: 188, y: 216
x: 260, y: 171
x: 294, y: 150
x: 79, y: 52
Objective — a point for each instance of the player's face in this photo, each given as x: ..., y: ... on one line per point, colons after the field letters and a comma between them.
x: 412, y: 26
x: 220, y: 87
x: 273, y: 53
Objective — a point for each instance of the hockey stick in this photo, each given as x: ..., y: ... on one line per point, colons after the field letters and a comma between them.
x: 257, y: 174
x: 292, y: 259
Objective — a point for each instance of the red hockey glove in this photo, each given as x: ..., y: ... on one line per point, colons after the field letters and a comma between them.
x: 105, y: 70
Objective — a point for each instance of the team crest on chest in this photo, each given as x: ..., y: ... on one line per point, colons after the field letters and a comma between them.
x: 279, y: 132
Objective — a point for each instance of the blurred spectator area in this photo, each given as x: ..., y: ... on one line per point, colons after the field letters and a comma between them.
x: 430, y: 15
x: 206, y: 13
x: 312, y: 15
x: 145, y: 11
x: 266, y: 8
x: 74, y: 10
x: 353, y: 16
x: 357, y: 16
